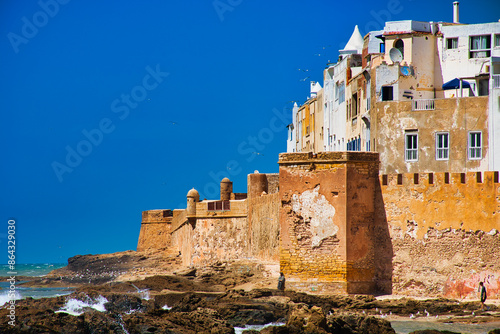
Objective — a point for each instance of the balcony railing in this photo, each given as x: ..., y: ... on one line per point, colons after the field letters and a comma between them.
x: 496, y: 81
x: 423, y: 104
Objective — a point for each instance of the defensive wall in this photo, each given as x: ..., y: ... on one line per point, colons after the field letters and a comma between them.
x: 235, y: 226
x: 444, y: 230
x: 336, y: 226
x: 155, y: 229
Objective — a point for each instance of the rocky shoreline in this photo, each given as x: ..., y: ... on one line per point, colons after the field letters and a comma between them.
x: 125, y: 293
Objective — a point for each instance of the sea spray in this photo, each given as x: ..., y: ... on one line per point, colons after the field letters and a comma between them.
x: 239, y: 330
x: 7, y: 295
x: 77, y: 307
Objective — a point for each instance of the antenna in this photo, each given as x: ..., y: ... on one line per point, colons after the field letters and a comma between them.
x: 395, y: 55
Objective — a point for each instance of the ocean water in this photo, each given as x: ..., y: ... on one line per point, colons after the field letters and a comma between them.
x: 31, y: 269
x: 34, y: 270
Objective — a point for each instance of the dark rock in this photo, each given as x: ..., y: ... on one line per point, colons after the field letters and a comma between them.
x: 359, y: 325
x: 308, y: 319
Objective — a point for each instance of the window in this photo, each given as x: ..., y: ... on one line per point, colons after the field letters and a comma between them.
x: 382, y: 47
x: 354, y: 105
x: 497, y: 40
x: 480, y: 46
x: 400, y: 45
x: 219, y: 206
x: 442, y: 146
x: 452, y: 43
x: 411, y: 146
x: 387, y: 94
x: 475, y: 148
x: 340, y: 92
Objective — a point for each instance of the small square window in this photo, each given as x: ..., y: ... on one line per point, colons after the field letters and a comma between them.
x: 387, y: 93
x: 442, y: 146
x: 411, y: 146
x: 475, y: 145
x: 452, y: 43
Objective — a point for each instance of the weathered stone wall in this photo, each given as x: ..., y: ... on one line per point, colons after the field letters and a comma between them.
x: 211, y: 235
x: 238, y: 209
x: 273, y: 182
x: 444, y: 230
x: 263, y: 218
x: 155, y: 230
x: 219, y: 239
x: 327, y: 221
x: 182, y: 235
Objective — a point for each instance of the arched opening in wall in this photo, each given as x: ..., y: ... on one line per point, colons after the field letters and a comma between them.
x: 400, y: 45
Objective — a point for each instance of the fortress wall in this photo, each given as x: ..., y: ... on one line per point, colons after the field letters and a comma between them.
x: 238, y: 209
x: 182, y: 236
x: 219, y: 239
x: 328, y: 223
x: 273, y: 183
x: 444, y: 230
x: 263, y: 224
x: 155, y: 230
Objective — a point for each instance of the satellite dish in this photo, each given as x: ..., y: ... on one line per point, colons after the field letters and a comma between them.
x: 395, y: 55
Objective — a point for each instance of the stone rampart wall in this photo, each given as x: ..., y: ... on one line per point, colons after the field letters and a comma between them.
x: 155, y: 230
x: 444, y: 231
x: 264, y: 227
x: 219, y: 239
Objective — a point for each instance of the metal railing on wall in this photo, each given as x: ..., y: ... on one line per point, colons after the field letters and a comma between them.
x: 427, y: 104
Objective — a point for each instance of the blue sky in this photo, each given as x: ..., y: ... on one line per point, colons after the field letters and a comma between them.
x: 110, y: 108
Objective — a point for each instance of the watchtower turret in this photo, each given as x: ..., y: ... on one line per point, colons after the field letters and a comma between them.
x: 226, y: 189
x: 193, y: 196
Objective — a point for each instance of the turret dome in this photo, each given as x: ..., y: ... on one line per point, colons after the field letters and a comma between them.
x: 193, y: 193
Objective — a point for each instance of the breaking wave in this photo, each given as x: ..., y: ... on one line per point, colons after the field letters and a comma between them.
x: 77, y: 307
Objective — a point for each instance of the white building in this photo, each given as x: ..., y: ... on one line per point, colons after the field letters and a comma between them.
x: 335, y: 77
x: 471, y: 53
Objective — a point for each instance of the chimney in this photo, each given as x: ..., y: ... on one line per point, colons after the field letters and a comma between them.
x: 455, y: 12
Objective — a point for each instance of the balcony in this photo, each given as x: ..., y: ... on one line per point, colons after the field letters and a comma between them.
x: 496, y: 81
x: 422, y: 105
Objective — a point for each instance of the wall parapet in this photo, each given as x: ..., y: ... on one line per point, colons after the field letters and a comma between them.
x: 157, y: 216
x: 417, y: 202
x: 437, y: 179
x: 326, y: 157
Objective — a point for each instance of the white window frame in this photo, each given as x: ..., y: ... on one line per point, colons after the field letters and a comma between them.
x: 475, y: 152
x: 454, y: 43
x: 443, y: 153
x: 479, y: 52
x: 411, y: 154
x: 496, y: 40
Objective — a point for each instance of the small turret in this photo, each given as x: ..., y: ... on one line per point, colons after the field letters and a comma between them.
x: 193, y: 196
x: 226, y: 189
x: 256, y: 183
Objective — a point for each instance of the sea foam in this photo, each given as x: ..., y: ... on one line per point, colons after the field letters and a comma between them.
x: 5, y: 298
x: 77, y: 307
x: 239, y: 330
